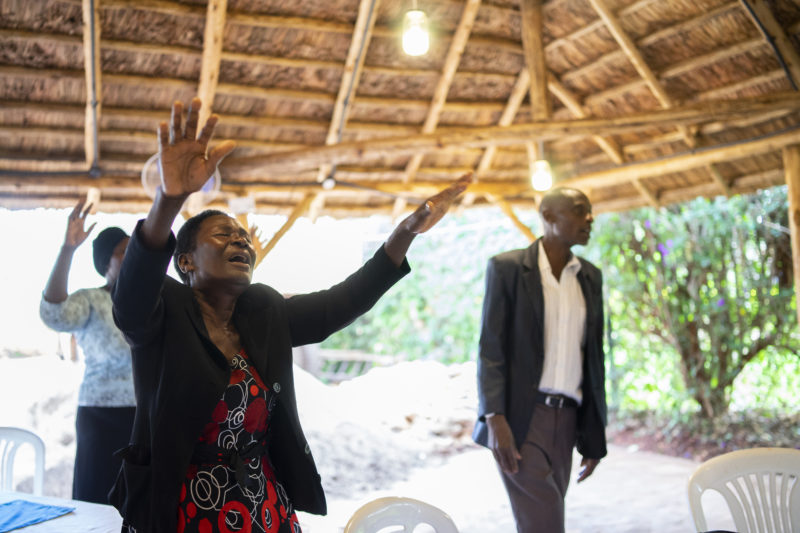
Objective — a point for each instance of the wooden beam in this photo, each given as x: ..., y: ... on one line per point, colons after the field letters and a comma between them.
x: 509, y: 212
x: 293, y: 216
x: 351, y: 75
x: 453, y: 58
x: 91, y: 67
x: 506, y: 119
x: 533, y: 47
x: 763, y: 18
x: 212, y: 54
x: 570, y: 102
x: 651, y: 198
x: 518, y: 133
x: 720, y: 180
x: 683, y: 162
x: 362, y: 34
x: 791, y: 168
x: 635, y: 56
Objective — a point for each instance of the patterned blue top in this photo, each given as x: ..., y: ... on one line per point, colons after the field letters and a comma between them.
x: 108, y: 378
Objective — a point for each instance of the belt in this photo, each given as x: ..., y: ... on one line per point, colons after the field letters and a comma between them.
x: 555, y: 400
x: 236, y: 459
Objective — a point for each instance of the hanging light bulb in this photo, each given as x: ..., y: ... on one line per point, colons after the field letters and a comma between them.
x: 416, y: 39
x: 541, y: 176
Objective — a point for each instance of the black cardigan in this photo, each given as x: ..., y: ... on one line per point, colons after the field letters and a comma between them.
x: 180, y: 375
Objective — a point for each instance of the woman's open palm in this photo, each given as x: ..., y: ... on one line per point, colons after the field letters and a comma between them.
x: 183, y: 163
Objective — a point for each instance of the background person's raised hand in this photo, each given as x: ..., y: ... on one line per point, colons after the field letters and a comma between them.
x: 76, y: 222
x: 184, y: 159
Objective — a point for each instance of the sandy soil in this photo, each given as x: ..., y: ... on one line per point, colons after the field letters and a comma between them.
x: 403, y: 431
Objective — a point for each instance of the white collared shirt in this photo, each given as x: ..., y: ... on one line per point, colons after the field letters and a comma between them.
x: 564, y: 325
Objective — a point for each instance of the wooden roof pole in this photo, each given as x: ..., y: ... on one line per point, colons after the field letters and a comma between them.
x: 212, y: 53
x: 791, y: 169
x: 533, y: 47
x: 517, y: 133
x: 353, y: 66
x: 91, y: 66
x: 451, y: 62
x: 296, y: 213
x: 635, y: 56
x: 659, y: 167
x: 762, y: 16
x: 513, y: 104
x: 509, y: 212
x: 570, y: 102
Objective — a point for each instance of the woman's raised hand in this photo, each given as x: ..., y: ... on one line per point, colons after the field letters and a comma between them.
x: 183, y: 162
x: 435, y: 207
x: 76, y: 234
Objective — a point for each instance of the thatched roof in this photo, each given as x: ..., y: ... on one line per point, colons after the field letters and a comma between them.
x: 638, y: 102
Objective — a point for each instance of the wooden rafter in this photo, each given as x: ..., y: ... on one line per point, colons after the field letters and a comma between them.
x: 791, y: 168
x: 296, y: 213
x: 212, y: 54
x: 660, y: 167
x: 762, y: 16
x: 533, y: 48
x: 519, y: 133
x: 506, y: 208
x: 570, y: 102
x: 635, y: 56
x: 91, y: 63
x: 513, y: 104
x: 683, y: 27
x: 362, y: 34
x: 451, y: 62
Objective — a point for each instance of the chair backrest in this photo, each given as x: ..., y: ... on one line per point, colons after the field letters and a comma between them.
x: 396, y: 511
x: 761, y: 487
x: 10, y: 440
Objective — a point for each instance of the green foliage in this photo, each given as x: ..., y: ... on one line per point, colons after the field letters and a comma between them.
x: 434, y: 312
x: 708, y: 281
x: 699, y: 298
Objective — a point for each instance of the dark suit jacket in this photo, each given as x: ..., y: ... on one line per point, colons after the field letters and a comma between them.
x: 180, y: 375
x: 511, y: 352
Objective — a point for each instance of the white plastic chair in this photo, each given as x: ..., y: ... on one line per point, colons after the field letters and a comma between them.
x: 10, y: 441
x: 396, y: 511
x: 761, y: 487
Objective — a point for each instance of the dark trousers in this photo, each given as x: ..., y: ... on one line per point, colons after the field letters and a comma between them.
x: 538, y: 488
x: 100, y: 432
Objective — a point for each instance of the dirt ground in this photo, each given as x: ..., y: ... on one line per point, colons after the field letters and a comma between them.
x: 402, y: 430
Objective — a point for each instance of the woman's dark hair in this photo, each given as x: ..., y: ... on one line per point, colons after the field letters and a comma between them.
x: 187, y: 237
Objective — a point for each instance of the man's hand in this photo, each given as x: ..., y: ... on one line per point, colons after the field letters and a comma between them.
x: 182, y: 153
x: 76, y: 234
x: 588, y: 467
x: 501, y: 442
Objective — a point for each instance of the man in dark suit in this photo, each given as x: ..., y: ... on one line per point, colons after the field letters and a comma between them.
x: 540, y: 367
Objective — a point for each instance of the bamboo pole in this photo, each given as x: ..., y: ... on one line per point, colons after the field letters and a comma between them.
x: 791, y: 168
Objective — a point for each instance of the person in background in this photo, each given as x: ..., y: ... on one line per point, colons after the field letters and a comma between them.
x: 217, y: 443
x: 541, y: 379
x: 106, y: 402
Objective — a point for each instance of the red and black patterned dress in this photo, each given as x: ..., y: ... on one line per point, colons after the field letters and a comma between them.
x: 230, y: 485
